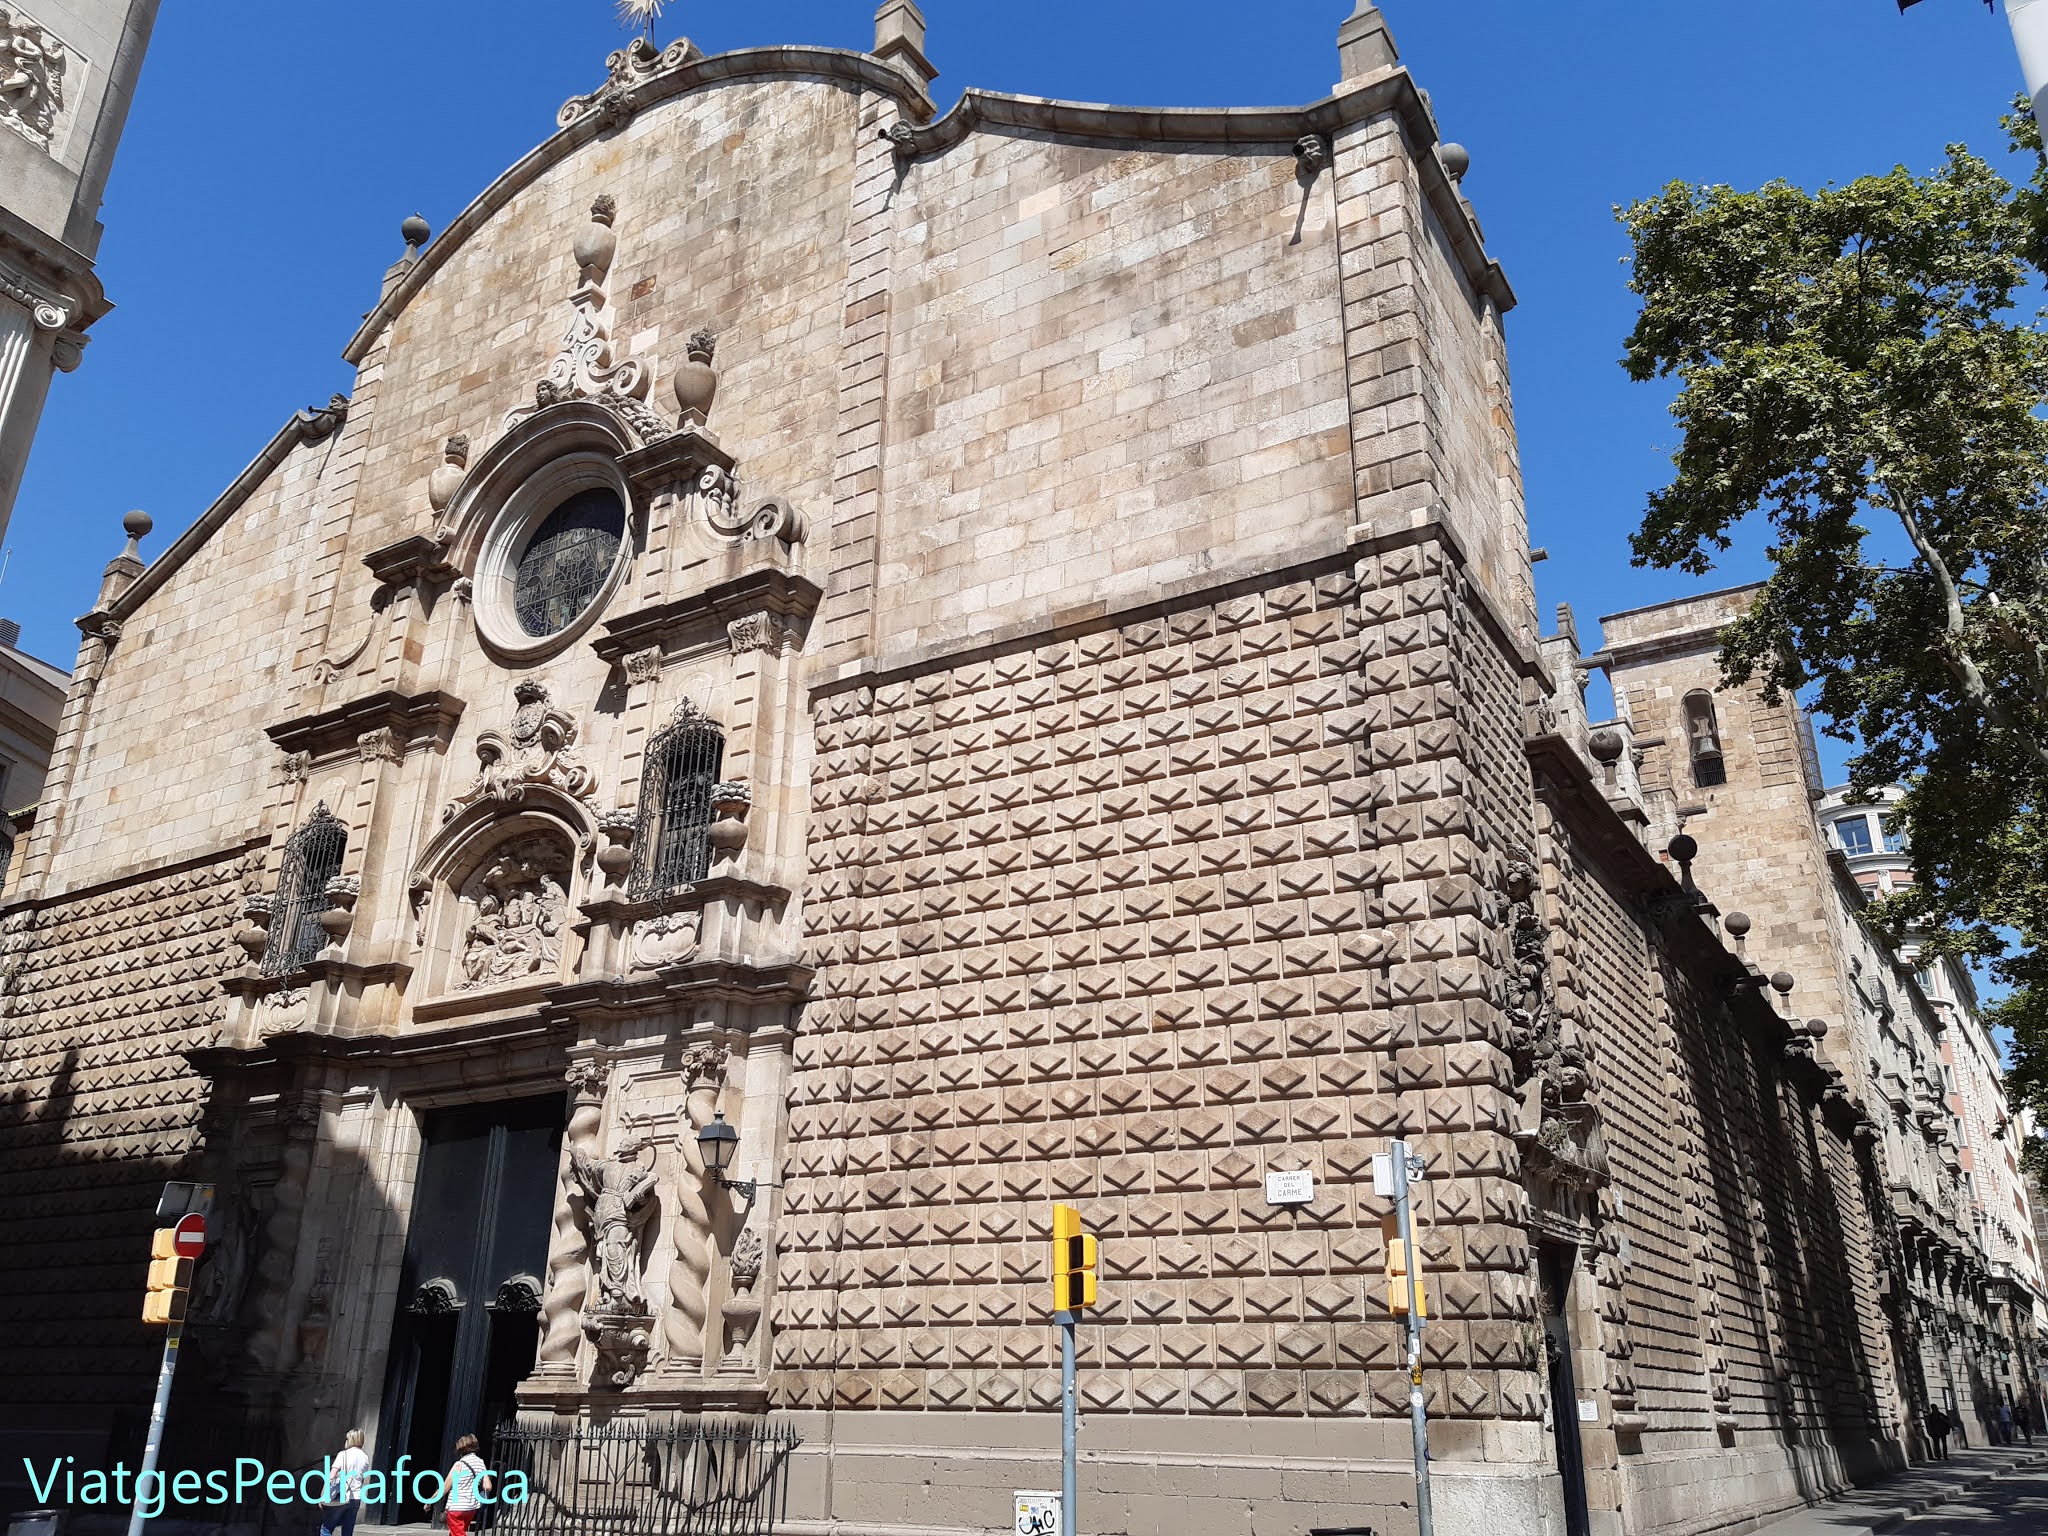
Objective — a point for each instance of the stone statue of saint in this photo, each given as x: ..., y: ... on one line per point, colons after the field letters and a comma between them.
x: 618, y: 1189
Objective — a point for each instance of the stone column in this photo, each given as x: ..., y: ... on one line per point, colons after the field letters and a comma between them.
x: 689, y: 1274
x: 568, y: 1250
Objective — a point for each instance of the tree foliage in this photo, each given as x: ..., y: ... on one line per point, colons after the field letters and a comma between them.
x: 1856, y: 370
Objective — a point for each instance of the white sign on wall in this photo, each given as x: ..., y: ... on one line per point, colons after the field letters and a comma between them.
x: 1038, y: 1514
x: 1297, y: 1187
x: 1589, y: 1413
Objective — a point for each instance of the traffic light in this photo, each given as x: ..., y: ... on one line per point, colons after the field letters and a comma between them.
x: 169, y: 1278
x: 1073, y: 1261
x: 1397, y: 1279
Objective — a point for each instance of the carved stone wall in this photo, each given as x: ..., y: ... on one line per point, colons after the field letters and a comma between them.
x: 1129, y: 920
x: 100, y: 994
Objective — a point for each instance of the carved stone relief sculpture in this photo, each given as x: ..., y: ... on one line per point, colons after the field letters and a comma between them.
x: 668, y: 939
x: 513, y: 910
x: 539, y: 749
x: 617, y: 1190
x: 32, y: 64
x: 1558, y: 1126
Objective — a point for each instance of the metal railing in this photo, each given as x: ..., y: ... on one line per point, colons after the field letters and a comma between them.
x: 684, y: 1477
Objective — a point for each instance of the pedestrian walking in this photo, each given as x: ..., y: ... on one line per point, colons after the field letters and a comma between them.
x: 469, y: 1484
x: 2005, y: 1423
x: 342, y: 1499
x: 2023, y: 1421
x: 1938, y: 1427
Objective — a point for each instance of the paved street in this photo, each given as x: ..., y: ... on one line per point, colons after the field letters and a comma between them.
x: 2011, y: 1506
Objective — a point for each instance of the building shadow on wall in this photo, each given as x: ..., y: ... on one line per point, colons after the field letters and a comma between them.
x: 1789, y: 1332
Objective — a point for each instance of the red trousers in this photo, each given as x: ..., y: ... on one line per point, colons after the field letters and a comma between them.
x: 458, y: 1521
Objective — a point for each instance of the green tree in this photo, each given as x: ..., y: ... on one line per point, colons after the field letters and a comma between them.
x: 1855, y: 370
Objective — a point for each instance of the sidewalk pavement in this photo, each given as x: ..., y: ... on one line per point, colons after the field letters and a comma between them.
x: 1890, y: 1504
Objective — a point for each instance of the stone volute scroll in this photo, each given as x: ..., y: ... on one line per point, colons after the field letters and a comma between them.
x: 586, y: 367
x: 614, y: 103
x: 618, y: 1191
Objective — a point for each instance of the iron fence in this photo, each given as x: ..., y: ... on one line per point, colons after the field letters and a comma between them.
x: 683, y: 1477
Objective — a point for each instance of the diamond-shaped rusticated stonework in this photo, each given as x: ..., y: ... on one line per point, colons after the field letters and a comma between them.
x: 1131, y: 920
x: 98, y: 995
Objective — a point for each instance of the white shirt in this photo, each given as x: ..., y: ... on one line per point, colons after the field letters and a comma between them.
x: 465, y: 1482
x: 345, y: 1475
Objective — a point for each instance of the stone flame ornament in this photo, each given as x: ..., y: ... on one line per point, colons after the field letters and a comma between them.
x: 585, y: 368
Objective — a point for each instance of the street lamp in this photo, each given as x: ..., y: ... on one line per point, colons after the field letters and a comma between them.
x: 717, y: 1142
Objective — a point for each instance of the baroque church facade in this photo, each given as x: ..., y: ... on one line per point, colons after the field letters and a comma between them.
x: 980, y: 660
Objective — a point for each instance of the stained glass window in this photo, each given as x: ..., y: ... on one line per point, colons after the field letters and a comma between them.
x: 565, y: 563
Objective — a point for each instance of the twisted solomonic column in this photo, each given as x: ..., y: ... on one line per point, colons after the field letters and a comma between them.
x: 568, y: 1249
x: 689, y: 1276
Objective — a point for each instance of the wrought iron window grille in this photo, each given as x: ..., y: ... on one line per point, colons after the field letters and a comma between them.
x: 564, y: 565
x: 312, y: 857
x: 686, y: 1477
x: 672, y: 846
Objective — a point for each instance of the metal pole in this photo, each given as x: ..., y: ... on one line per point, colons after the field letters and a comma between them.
x: 1417, y: 1413
x: 156, y: 1424
x: 1069, y: 1499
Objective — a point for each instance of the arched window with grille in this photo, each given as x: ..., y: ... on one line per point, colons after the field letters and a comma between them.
x: 312, y: 857
x: 672, y: 844
x: 1703, y: 740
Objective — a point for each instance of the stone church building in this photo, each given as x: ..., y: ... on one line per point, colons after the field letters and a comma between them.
x: 976, y: 659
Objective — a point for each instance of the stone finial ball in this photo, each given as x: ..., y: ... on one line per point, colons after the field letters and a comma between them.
x: 1683, y: 849
x: 1736, y: 923
x: 415, y: 231
x: 1818, y: 1028
x: 1457, y: 160
x: 1781, y: 981
x: 137, y: 524
x: 1605, y: 746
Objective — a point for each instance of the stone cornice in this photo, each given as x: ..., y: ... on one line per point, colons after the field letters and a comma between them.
x: 838, y: 66
x: 1277, y: 129
x: 762, y: 590
x: 621, y: 997
x: 495, y: 1035
x: 417, y: 719
x: 312, y: 425
x: 47, y: 262
x: 413, y: 561
x: 612, y: 907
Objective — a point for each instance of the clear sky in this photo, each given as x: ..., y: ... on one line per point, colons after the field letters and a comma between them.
x: 274, y: 148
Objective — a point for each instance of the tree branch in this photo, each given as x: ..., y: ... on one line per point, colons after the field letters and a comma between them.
x: 1954, y: 653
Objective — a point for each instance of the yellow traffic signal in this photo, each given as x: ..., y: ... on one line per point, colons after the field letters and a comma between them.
x: 169, y: 1277
x: 1073, y: 1261
x: 1397, y: 1281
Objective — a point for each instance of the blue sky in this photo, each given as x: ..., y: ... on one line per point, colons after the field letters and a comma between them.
x: 273, y: 150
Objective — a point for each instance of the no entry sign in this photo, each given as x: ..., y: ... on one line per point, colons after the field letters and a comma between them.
x: 189, y: 1237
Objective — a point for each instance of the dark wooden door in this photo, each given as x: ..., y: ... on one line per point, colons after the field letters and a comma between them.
x: 469, y: 1292
x: 1557, y: 1266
